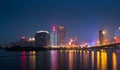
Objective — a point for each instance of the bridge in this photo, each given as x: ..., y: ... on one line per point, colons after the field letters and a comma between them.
x: 115, y: 47
x: 100, y: 47
x: 107, y: 46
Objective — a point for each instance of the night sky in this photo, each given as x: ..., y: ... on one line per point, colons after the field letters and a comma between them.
x: 82, y: 18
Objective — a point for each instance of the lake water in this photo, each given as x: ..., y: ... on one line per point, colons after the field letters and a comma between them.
x: 59, y: 60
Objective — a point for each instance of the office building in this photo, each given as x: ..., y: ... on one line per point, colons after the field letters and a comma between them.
x: 101, y: 37
x: 54, y: 37
x: 61, y: 35
x: 42, y: 39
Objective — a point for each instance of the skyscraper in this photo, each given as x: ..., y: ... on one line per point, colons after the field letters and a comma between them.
x: 42, y: 39
x: 53, y: 36
x: 61, y: 35
x: 101, y: 37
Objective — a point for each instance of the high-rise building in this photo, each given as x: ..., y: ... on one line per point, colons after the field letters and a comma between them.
x: 42, y: 39
x: 61, y: 35
x: 53, y: 37
x: 101, y: 37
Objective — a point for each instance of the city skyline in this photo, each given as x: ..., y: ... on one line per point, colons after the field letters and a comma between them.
x: 81, y: 18
x: 59, y: 34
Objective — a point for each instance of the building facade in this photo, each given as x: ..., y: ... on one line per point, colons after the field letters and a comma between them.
x: 101, y: 37
x: 42, y: 39
x: 54, y: 37
x: 61, y: 35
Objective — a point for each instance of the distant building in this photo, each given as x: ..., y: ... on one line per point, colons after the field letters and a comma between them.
x: 23, y: 42
x: 117, y: 35
x: 117, y: 39
x: 42, y: 39
x: 31, y: 42
x: 61, y: 35
x: 101, y: 37
x: 54, y: 36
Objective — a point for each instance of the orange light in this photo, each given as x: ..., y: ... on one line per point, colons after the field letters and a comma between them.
x: 98, y: 42
x: 31, y: 39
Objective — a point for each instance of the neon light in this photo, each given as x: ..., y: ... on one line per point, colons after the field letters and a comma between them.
x: 54, y: 28
x: 23, y: 37
x: 42, y: 31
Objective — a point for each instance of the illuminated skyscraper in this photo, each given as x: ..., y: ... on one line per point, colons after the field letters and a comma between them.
x: 61, y: 35
x: 101, y: 37
x: 42, y: 39
x: 53, y: 36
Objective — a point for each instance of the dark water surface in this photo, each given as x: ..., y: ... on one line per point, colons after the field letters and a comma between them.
x: 59, y: 60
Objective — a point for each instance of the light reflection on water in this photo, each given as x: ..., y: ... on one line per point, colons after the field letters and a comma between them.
x: 103, y: 61
x: 32, y: 60
x: 114, y: 61
x: 92, y: 53
x: 98, y: 61
x: 70, y: 59
x: 24, y: 58
x: 62, y: 60
x: 54, y: 60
